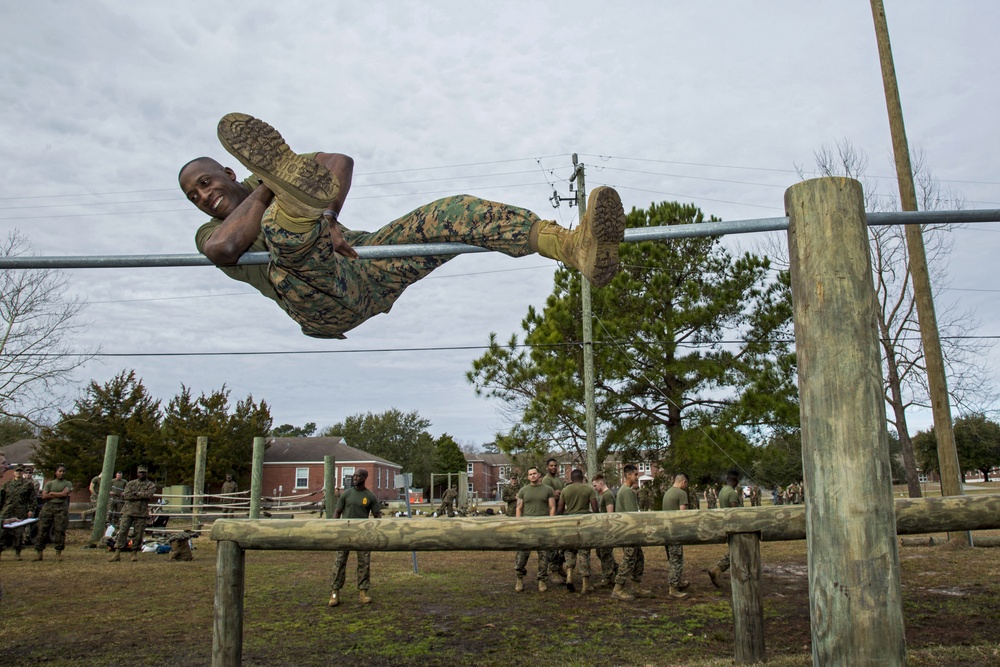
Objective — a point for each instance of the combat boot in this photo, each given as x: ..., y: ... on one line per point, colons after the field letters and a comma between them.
x: 586, y: 588
x: 641, y: 592
x: 620, y: 592
x: 302, y: 187
x: 569, y: 580
x: 591, y: 248
x: 519, y: 586
x: 334, y: 598
x: 38, y: 555
x: 542, y: 586
x: 135, y: 557
x: 115, y: 556
x: 556, y: 578
x: 363, y: 597
x: 714, y: 574
x: 678, y: 594
x: 683, y: 585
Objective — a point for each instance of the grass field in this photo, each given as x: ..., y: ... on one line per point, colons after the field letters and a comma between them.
x: 460, y: 610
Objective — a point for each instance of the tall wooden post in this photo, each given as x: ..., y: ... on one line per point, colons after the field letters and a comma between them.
x: 107, y: 474
x: 329, y: 485
x: 854, y: 581
x: 256, y: 477
x: 748, y: 603
x: 227, y: 624
x: 937, y: 382
x: 198, y: 499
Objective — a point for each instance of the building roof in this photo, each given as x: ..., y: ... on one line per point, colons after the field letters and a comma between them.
x: 312, y: 450
x: 20, y: 451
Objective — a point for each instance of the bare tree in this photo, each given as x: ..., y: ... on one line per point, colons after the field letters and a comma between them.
x: 37, y: 322
x: 904, y: 374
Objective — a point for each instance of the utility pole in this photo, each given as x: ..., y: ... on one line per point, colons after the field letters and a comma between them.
x: 588, y: 322
x: 951, y: 479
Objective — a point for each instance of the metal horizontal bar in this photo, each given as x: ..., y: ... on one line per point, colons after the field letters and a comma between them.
x: 665, y: 233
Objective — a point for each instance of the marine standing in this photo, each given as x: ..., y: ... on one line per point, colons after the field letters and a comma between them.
x: 509, y: 494
x: 135, y: 513
x: 54, y: 516
x: 577, y: 497
x: 535, y: 499
x: 605, y: 504
x: 229, y: 487
x: 674, y: 500
x: 633, y: 563
x: 728, y: 497
x: 17, y: 501
x: 356, y: 502
x: 553, y: 481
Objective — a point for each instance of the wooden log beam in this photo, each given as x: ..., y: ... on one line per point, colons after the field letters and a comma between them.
x: 748, y: 601
x: 227, y: 623
x: 780, y: 523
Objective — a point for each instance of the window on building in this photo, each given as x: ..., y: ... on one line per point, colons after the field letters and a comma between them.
x: 347, y: 477
x: 471, y: 490
x: 469, y: 467
x: 302, y: 478
x: 562, y: 470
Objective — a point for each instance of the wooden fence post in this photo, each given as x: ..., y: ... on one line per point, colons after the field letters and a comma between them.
x: 197, y: 499
x: 104, y: 493
x: 227, y: 625
x: 854, y: 582
x: 329, y: 485
x: 748, y: 601
x: 256, y: 477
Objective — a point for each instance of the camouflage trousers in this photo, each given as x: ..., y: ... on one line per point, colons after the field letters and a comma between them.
x: 12, y: 538
x: 675, y: 564
x: 632, y: 566
x: 327, y: 294
x: 609, y: 566
x: 138, y: 526
x: 364, y: 570
x: 583, y: 557
x: 521, y: 564
x: 52, y: 525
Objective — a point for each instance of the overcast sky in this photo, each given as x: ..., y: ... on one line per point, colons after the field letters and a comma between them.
x: 713, y: 103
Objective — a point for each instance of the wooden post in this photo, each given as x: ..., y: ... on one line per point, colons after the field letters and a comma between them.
x: 198, y: 499
x: 854, y: 582
x: 256, y: 477
x: 748, y: 602
x: 107, y: 474
x: 329, y: 485
x: 227, y: 626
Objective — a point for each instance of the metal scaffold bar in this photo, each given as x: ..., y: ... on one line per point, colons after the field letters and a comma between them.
x: 666, y: 233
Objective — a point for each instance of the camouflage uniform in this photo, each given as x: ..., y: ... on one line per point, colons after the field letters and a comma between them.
x: 115, y: 507
x: 17, y: 500
x: 447, y: 502
x: 556, y: 557
x: 327, y: 294
x: 53, y: 520
x: 711, y: 497
x: 609, y: 566
x: 355, y: 503
x: 229, y: 486
x: 135, y: 513
x: 673, y: 500
x: 509, y: 496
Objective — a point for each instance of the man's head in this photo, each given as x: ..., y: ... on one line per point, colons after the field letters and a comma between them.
x: 630, y: 474
x: 118, y: 475
x: 534, y: 477
x: 360, y: 477
x: 60, y: 472
x: 214, y: 189
x: 552, y: 466
x: 19, y: 471
x: 513, y: 478
x: 28, y: 472
x: 681, y: 480
x: 733, y: 478
x: 141, y: 472
x: 599, y: 484
x: 577, y: 477
x: 229, y: 478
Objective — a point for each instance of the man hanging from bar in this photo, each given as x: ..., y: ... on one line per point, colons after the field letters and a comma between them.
x: 290, y: 208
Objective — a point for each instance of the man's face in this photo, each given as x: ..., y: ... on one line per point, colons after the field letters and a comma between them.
x: 534, y: 476
x: 599, y: 485
x: 60, y: 472
x: 632, y: 478
x: 682, y: 483
x: 513, y: 479
x: 553, y: 468
x: 141, y: 474
x: 118, y: 475
x: 211, y: 187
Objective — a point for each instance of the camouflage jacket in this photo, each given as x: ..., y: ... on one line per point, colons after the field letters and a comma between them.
x: 137, y: 495
x: 509, y: 493
x: 18, y: 498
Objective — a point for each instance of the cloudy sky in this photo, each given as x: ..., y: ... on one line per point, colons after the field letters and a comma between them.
x: 714, y: 103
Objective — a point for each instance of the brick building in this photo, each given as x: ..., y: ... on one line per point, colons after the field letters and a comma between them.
x: 294, y: 466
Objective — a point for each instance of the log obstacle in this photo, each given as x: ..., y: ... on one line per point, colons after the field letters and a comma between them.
x: 648, y: 529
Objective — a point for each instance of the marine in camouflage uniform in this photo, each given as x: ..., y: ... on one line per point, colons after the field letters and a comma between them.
x: 229, y: 486
x: 17, y: 501
x: 135, y: 513
x: 605, y: 503
x: 53, y: 520
x: 711, y: 497
x: 311, y: 275
x: 447, y: 507
x: 728, y: 497
x: 509, y: 495
x: 631, y: 569
x: 356, y: 502
x: 577, y: 497
x: 674, y: 500
x: 117, y: 489
x: 534, y: 499
x: 556, y: 556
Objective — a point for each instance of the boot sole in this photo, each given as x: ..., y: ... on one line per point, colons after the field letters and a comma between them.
x: 261, y: 149
x: 607, y: 225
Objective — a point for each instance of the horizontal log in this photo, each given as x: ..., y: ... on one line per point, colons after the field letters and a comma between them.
x: 586, y: 531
